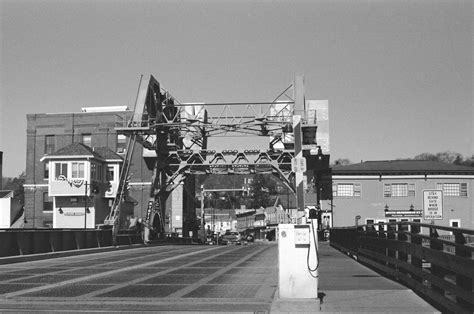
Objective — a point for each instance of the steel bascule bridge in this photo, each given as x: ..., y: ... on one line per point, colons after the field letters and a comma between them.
x: 178, y: 133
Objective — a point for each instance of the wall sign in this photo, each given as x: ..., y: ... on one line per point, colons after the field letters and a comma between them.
x: 433, y: 204
x: 403, y: 213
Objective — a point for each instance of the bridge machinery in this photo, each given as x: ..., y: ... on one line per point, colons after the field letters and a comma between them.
x: 177, y: 134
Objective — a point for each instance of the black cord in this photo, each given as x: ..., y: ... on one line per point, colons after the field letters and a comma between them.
x: 317, y: 255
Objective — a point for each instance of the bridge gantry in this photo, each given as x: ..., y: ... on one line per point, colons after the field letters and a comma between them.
x: 178, y: 134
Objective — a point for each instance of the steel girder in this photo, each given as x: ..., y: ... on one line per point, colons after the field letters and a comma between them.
x: 178, y: 134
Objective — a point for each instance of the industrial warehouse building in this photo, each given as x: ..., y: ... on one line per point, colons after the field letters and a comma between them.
x: 395, y: 190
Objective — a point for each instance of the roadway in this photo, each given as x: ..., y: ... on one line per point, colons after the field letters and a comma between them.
x: 178, y: 278
x: 155, y: 278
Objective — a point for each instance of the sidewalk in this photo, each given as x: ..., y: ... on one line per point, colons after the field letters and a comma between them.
x: 347, y: 286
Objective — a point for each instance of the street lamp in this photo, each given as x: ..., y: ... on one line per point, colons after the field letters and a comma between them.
x: 357, y: 220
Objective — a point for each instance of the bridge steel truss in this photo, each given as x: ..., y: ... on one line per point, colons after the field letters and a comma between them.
x: 178, y: 134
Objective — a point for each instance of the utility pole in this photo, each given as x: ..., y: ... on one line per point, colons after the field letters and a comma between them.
x: 85, y: 206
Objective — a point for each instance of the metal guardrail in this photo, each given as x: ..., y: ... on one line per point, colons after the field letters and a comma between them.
x: 439, y: 268
x: 17, y: 242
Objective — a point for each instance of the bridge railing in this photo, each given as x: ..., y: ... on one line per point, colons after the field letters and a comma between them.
x: 15, y: 242
x: 438, y: 267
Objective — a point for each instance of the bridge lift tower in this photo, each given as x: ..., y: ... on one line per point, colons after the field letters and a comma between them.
x: 178, y: 133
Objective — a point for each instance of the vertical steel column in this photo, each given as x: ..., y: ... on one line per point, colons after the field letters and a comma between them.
x: 203, y: 223
x: 299, y: 106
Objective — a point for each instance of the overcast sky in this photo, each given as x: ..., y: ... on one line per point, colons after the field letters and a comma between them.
x: 397, y: 74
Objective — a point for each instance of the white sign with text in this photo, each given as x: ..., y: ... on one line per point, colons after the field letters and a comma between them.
x: 432, y: 204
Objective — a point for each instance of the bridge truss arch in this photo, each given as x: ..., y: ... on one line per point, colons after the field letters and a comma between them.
x: 177, y: 136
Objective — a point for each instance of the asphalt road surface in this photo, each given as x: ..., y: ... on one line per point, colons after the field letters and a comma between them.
x: 155, y: 278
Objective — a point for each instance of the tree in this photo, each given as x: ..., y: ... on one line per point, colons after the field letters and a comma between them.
x: 447, y: 157
x: 426, y: 156
x: 16, y: 185
x: 458, y: 160
x: 261, y: 190
x: 469, y: 162
x: 342, y: 162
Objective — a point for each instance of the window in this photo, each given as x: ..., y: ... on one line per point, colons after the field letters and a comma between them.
x: 77, y: 170
x: 93, y: 170
x: 100, y: 172
x: 404, y: 227
x: 46, y: 171
x: 47, y: 202
x: 456, y: 223
x: 49, y: 144
x: 121, y: 143
x: 391, y: 224
x: 110, y: 173
x: 398, y: 190
x: 370, y: 224
x: 60, y: 170
x: 380, y: 224
x: 87, y: 139
x: 346, y: 190
x: 96, y: 171
x: 453, y: 189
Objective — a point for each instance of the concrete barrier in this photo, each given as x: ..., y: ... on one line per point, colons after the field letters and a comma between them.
x: 33, y: 241
x: 55, y: 241
x: 68, y: 241
x: 25, y: 242
x: 41, y: 242
x: 8, y: 244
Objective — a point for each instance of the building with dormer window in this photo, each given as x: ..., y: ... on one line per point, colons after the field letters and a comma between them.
x: 82, y: 183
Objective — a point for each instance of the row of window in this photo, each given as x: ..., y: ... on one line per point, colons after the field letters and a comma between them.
x: 398, y: 189
x: 50, y: 143
x: 76, y: 170
x: 370, y: 221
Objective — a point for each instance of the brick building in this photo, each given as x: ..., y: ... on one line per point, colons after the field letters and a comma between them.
x: 388, y: 191
x: 93, y: 127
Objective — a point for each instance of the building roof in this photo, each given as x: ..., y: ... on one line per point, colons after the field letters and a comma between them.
x: 6, y: 194
x: 395, y: 167
x: 79, y: 150
x: 104, y: 109
x: 108, y: 154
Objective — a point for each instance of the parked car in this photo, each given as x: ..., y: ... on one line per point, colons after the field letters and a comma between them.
x: 214, y: 238
x: 249, y: 238
x: 231, y: 237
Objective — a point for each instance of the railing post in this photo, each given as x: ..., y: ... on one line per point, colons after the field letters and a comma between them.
x: 463, y: 282
x: 391, y: 228
x: 382, y: 235
x: 435, y: 269
x: 402, y: 256
x: 371, y: 232
x: 416, y: 261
